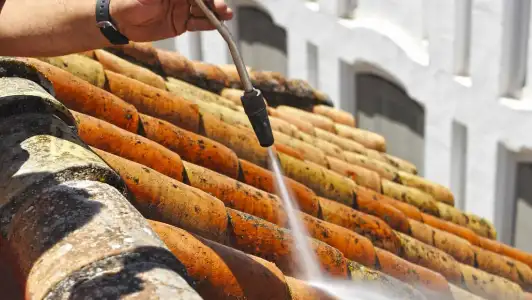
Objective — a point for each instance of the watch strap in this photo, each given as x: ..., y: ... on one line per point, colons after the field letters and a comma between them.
x: 106, y: 24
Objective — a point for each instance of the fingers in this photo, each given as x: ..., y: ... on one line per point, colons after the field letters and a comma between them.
x: 219, y: 7
x: 199, y: 22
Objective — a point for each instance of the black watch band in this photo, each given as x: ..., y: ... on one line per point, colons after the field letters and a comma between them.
x: 106, y: 24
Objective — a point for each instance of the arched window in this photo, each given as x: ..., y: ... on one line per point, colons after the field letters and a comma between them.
x: 262, y: 43
x: 384, y: 107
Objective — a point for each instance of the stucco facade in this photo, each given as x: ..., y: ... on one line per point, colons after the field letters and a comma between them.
x: 460, y: 65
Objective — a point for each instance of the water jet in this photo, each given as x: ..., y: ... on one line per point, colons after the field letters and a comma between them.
x: 255, y: 108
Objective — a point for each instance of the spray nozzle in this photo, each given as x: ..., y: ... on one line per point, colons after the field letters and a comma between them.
x: 255, y: 108
x: 252, y: 99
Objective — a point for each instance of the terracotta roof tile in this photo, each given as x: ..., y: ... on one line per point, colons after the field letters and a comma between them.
x: 299, y: 290
x: 66, y: 224
x: 175, y: 132
x: 222, y: 272
x: 337, y: 115
x: 79, y: 95
x: 381, y: 282
x: 160, y: 197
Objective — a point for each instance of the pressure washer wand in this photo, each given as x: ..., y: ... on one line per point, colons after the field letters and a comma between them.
x: 252, y: 100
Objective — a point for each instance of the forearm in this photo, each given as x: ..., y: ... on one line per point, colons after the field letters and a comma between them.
x: 48, y: 27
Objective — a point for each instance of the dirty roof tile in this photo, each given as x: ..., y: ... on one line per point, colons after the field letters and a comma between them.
x: 67, y: 227
x: 200, y: 161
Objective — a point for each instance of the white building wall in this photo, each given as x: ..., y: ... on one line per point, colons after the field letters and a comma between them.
x: 448, y: 55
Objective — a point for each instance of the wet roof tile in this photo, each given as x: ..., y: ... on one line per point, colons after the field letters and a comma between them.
x: 180, y: 141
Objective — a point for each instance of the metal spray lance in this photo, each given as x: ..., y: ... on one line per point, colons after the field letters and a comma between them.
x: 252, y: 99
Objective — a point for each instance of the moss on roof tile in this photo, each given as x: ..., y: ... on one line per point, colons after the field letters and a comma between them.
x: 66, y: 225
x: 426, y: 240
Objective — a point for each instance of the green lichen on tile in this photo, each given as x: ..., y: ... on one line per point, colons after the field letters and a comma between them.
x: 81, y: 66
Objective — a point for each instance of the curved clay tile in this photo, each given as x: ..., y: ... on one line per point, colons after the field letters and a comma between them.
x: 330, y: 149
x: 80, y: 95
x: 343, y: 143
x: 310, y: 152
x: 475, y: 223
x: 316, y: 120
x: 268, y: 207
x: 462, y: 294
x: 211, y: 76
x: 413, y: 196
x: 324, y: 182
x: 301, y: 290
x: 427, y: 281
x: 176, y: 65
x: 489, y: 286
x: 359, y: 175
x: 190, y: 146
x: 376, y: 230
x: 376, y: 281
x: 143, y: 54
x: 289, y: 151
x: 162, y: 198
x: 233, y: 78
x: 20, y: 95
x: 369, y: 139
x: 352, y: 245
x: 401, y: 164
x: 221, y: 272
x: 502, y: 266
x: 302, y: 125
x: 458, y: 248
x: 299, y: 88
x: 439, y: 192
x: 24, y: 149
x: 381, y: 156
x: 155, y: 102
x: 60, y: 203
x: 237, y: 195
x: 437, y: 244
x: 191, y: 92
x: 107, y: 137
x: 264, y: 179
x: 81, y: 66
x: 243, y: 142
x: 503, y: 249
x: 223, y: 113
x: 298, y: 93
x: 453, y: 228
x: 365, y: 202
x: 408, y: 210
x: 215, y: 78
x: 430, y: 257
x: 102, y: 242
x: 268, y: 84
x: 481, y: 226
x: 284, y: 127
x: 233, y: 94
x: 337, y: 115
x: 384, y: 170
x: 258, y: 237
x: 423, y: 279
x: 116, y: 64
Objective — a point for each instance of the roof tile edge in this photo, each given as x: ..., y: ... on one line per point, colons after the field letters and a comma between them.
x: 64, y: 201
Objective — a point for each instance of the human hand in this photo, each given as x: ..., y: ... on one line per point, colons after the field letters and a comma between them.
x: 150, y: 20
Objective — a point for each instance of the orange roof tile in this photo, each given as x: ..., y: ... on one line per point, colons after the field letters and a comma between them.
x: 201, y: 170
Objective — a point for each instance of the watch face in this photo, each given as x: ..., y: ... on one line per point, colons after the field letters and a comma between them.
x: 105, y: 24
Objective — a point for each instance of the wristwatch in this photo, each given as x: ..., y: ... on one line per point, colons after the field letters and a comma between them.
x: 106, y: 24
